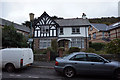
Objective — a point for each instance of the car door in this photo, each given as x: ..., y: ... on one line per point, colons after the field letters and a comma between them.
x: 80, y: 64
x: 98, y: 65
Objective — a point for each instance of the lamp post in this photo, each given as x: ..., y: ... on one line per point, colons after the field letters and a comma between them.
x: 31, y: 19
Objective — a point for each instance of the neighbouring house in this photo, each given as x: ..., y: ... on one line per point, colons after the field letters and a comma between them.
x: 101, y: 33
x: 20, y: 28
x: 114, y: 31
x: 68, y: 32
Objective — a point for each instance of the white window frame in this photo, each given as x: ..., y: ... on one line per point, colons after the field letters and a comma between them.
x: 44, y: 43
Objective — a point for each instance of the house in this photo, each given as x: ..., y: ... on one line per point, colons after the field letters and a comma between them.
x: 97, y: 32
x: 114, y: 31
x: 68, y: 32
x: 101, y: 33
x: 20, y: 28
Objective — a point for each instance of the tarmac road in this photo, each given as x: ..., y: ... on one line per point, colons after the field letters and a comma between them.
x: 44, y: 71
x: 44, y: 74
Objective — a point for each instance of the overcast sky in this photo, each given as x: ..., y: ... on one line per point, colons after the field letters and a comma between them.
x: 18, y: 11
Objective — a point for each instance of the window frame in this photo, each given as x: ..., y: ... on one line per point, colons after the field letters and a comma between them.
x: 85, y: 57
x: 75, y: 30
x: 97, y: 57
x: 61, y: 31
x: 91, y: 28
x: 103, y: 34
x: 94, y: 35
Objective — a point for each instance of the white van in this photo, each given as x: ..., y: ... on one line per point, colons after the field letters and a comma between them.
x: 13, y: 58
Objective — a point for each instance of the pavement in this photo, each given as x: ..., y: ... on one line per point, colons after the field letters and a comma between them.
x: 43, y: 64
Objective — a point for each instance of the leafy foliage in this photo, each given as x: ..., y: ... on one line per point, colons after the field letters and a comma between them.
x: 54, y: 45
x: 10, y: 37
x: 97, y: 46
x: 113, y: 47
x: 74, y: 49
x: 90, y: 50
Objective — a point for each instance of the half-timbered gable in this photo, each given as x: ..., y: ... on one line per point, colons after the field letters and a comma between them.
x: 44, y: 26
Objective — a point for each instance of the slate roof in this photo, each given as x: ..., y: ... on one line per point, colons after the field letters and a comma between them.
x: 100, y: 27
x: 17, y: 26
x: 72, y: 22
x: 104, y: 27
x: 115, y: 25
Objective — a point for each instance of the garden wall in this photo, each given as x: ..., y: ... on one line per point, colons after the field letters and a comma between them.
x: 43, y: 57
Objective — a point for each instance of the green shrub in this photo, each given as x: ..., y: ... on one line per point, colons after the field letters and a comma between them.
x: 54, y: 45
x: 74, y: 49
x: 61, y: 48
x: 49, y: 49
x: 101, y: 52
x: 90, y: 50
x: 113, y: 47
x: 97, y: 46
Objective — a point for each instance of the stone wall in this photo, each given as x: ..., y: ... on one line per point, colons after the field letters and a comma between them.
x: 40, y: 57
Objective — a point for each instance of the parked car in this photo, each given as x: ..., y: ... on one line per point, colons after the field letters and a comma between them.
x: 87, y: 64
x: 13, y: 58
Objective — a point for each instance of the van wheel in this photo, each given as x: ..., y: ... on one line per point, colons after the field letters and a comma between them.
x: 10, y: 67
x: 69, y: 72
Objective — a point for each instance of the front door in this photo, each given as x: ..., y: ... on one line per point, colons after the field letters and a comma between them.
x: 64, y: 43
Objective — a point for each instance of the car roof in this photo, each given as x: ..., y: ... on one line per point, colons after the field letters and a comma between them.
x: 81, y: 53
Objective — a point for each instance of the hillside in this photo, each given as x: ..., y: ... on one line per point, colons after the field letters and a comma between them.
x: 105, y: 20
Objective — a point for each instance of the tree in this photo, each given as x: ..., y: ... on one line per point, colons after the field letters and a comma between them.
x: 54, y: 45
x: 10, y: 37
x: 113, y: 47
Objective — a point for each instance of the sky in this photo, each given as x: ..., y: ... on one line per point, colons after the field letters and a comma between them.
x: 18, y: 11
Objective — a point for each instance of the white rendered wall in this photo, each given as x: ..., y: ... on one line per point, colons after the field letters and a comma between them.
x: 67, y: 32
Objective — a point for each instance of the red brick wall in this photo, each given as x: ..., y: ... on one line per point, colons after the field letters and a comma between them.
x: 36, y: 44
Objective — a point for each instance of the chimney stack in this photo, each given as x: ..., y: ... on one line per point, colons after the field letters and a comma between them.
x: 84, y: 16
x: 31, y: 16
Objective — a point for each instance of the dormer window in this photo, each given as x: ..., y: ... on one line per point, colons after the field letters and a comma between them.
x: 75, y: 30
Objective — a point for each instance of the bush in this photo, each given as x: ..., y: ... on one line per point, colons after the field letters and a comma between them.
x: 61, y: 48
x: 101, y: 52
x: 113, y: 47
x: 90, y: 50
x: 97, y: 46
x: 54, y: 45
x: 74, y: 49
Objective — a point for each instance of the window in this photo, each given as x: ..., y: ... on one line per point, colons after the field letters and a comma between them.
x: 89, y: 36
x: 44, y: 43
x: 75, y: 30
x: 94, y: 58
x: 91, y: 28
x: 109, y: 34
x: 103, y: 34
x: 61, y: 31
x: 44, y: 29
x: 79, y: 57
x: 77, y: 42
x: 94, y: 35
